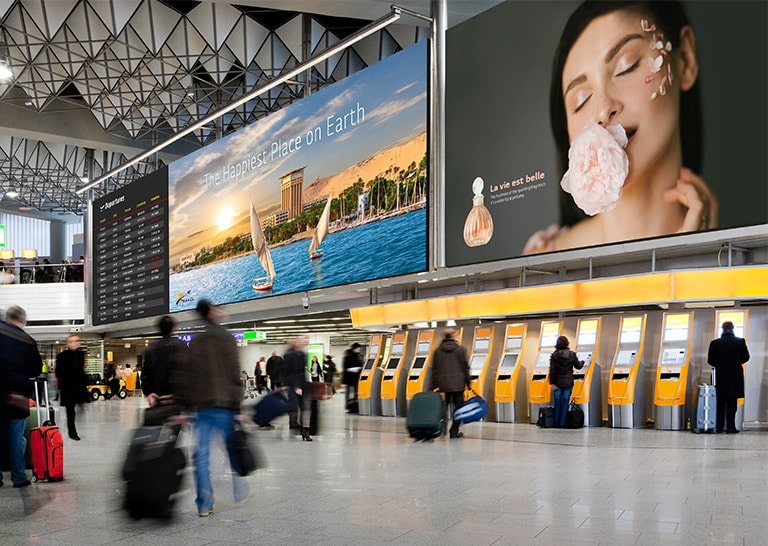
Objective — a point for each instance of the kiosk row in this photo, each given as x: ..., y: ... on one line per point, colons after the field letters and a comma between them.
x: 398, y: 367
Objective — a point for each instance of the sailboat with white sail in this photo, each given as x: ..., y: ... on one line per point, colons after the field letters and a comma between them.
x: 261, y: 284
x: 320, y: 232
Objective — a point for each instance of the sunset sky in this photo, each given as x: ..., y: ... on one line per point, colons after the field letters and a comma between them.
x: 205, y: 210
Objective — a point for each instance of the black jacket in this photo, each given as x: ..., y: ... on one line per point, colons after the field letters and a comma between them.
x: 561, y: 365
x: 353, y: 366
x: 70, y: 373
x: 726, y: 355
x: 165, y: 362
x: 450, y: 367
x: 19, y: 361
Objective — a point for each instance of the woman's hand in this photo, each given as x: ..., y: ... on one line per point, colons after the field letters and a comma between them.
x: 692, y: 192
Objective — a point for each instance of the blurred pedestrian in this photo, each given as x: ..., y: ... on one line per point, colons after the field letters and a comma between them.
x: 215, y: 390
x: 450, y: 375
x: 353, y: 366
x: 19, y: 361
x: 295, y: 370
x: 70, y: 374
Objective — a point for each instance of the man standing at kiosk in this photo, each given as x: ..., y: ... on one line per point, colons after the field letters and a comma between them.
x: 450, y: 374
x: 727, y: 355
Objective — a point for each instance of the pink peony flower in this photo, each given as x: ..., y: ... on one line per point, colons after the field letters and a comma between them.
x: 597, y: 168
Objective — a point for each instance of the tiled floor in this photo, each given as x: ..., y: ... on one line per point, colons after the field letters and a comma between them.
x: 362, y: 481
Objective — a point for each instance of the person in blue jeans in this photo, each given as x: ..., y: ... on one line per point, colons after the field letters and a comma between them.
x: 561, y: 365
x: 214, y: 391
x: 19, y: 360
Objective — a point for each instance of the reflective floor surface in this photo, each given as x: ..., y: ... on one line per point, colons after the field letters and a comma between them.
x: 362, y: 481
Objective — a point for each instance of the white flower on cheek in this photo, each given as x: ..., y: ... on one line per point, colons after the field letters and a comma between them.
x: 597, y: 168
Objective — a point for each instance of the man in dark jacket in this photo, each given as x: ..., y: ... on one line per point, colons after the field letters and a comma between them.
x: 70, y: 374
x: 165, y: 362
x: 450, y: 374
x: 727, y: 355
x: 295, y: 378
x: 19, y: 361
x: 353, y: 366
x: 562, y: 361
x: 274, y: 368
x: 214, y: 388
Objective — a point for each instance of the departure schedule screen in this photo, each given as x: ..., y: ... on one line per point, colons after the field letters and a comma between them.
x: 130, y: 243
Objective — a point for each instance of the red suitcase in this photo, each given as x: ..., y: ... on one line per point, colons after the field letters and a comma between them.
x: 46, y: 444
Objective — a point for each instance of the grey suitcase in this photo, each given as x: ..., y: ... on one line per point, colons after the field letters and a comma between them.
x: 706, y: 408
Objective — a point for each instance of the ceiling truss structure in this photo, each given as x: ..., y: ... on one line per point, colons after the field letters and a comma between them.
x: 144, y: 70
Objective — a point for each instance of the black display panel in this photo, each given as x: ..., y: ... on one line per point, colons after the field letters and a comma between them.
x: 685, y: 144
x: 130, y: 247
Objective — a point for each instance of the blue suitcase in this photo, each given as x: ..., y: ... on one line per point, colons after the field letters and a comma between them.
x: 474, y: 409
x: 273, y: 405
x: 705, y: 401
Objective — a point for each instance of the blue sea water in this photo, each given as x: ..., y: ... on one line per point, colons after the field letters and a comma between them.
x: 386, y: 248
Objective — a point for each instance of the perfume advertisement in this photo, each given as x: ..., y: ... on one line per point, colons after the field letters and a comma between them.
x: 330, y: 190
x: 572, y: 125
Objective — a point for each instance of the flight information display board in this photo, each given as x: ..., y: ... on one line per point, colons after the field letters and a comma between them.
x: 130, y: 244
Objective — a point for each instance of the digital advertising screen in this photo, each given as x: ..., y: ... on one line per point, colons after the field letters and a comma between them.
x: 570, y: 126
x: 330, y: 190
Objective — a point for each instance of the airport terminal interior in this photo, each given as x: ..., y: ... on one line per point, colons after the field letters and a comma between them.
x: 297, y: 163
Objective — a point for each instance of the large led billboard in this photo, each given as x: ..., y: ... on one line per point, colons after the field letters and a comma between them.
x: 330, y: 190
x: 657, y: 115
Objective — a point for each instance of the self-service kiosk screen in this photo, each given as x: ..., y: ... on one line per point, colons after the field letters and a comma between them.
x: 673, y: 357
x: 369, y: 364
x: 476, y: 365
x: 626, y: 358
x: 542, y: 367
x: 423, y: 348
x: 418, y: 362
x: 482, y: 344
x: 587, y: 338
x: 543, y: 361
x: 507, y: 365
x: 585, y: 356
x: 514, y: 343
x: 392, y: 364
x: 630, y: 336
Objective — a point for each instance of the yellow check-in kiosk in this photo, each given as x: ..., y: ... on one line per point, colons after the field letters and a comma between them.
x: 510, y: 393
x: 739, y: 319
x: 369, y: 385
x: 626, y: 382
x: 672, y: 377
x: 393, y: 403
x: 483, y: 360
x: 539, y: 392
x: 419, y: 373
x: 587, y: 393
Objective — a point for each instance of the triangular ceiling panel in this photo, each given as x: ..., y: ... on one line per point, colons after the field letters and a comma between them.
x: 214, y: 21
x: 115, y: 14
x: 255, y: 36
x: 50, y: 14
x: 24, y: 33
x: 186, y: 43
x: 88, y: 28
x: 290, y: 33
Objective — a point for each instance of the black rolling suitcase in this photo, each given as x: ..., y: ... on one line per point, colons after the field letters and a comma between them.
x: 154, y: 468
x: 426, y: 416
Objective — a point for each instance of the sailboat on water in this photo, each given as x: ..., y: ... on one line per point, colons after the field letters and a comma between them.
x: 261, y: 284
x: 320, y: 232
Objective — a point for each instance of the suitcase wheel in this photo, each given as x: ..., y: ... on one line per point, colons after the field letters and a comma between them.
x: 34, y: 477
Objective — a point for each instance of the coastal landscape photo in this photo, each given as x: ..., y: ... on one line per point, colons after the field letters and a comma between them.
x: 330, y: 190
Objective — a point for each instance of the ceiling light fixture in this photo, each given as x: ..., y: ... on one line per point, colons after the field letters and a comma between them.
x: 6, y: 74
x: 12, y: 193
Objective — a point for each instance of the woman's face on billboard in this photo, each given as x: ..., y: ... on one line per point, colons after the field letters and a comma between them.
x: 609, y: 78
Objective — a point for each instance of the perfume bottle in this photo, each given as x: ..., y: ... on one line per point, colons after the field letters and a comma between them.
x: 478, y: 228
